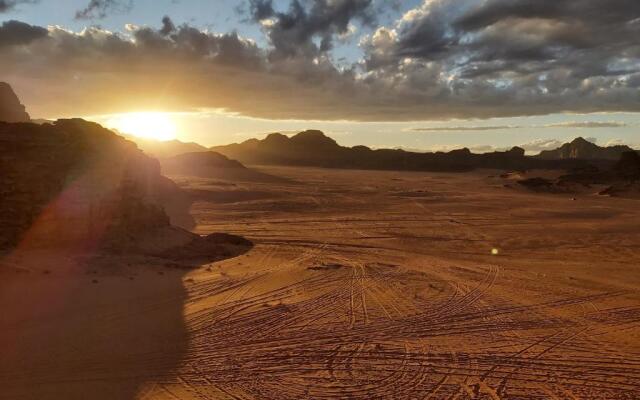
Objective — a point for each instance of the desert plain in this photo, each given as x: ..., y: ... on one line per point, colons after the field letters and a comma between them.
x: 359, y: 285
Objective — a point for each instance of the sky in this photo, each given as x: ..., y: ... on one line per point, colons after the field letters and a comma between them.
x: 414, y: 74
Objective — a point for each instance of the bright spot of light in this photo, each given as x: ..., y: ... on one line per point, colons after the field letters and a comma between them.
x: 495, y: 251
x: 149, y: 125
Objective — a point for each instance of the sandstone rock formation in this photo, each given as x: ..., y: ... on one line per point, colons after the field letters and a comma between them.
x: 583, y: 149
x: 10, y: 108
x: 74, y: 182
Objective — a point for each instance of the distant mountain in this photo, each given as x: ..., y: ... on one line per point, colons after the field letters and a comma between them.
x: 210, y: 164
x: 11, y: 110
x: 583, y: 149
x: 305, y: 148
x: 313, y: 148
x: 170, y: 148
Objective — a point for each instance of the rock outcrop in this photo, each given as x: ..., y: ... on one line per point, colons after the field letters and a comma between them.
x: 585, y: 150
x: 74, y: 182
x: 620, y: 180
x: 11, y: 110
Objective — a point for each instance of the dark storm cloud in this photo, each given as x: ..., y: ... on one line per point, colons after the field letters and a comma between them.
x: 192, y: 45
x: 99, y: 9
x: 506, y: 30
x: 293, y: 32
x: 167, y: 26
x: 7, y: 5
x: 594, y: 12
x: 511, y: 57
x: 260, y: 9
x: 15, y: 33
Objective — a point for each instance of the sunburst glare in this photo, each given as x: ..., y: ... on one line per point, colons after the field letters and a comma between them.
x: 149, y: 125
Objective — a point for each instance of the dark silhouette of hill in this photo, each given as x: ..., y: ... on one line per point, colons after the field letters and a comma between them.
x: 583, y: 149
x: 629, y: 165
x: 75, y: 183
x: 213, y: 165
x: 165, y: 149
x: 11, y: 110
x: 313, y: 148
x: 98, y: 206
x: 622, y: 178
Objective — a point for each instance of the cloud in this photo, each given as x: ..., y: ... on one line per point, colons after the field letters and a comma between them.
x: 587, y: 125
x: 308, y: 30
x: 98, y: 71
x: 8, y: 5
x: 16, y: 33
x: 167, y: 26
x: 441, y: 60
x: 464, y: 128
x: 510, y: 57
x: 99, y: 9
x: 615, y: 142
x: 621, y: 142
x: 539, y: 145
x: 480, y: 128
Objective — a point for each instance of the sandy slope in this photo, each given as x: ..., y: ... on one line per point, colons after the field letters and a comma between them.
x: 362, y: 285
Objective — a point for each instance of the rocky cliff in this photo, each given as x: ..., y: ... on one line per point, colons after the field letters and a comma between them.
x: 75, y: 182
x: 10, y: 108
x: 580, y: 148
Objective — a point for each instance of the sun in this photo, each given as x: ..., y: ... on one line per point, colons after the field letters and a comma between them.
x: 149, y: 125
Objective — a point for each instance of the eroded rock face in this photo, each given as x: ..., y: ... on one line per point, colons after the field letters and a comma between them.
x: 74, y: 182
x: 583, y: 149
x: 11, y: 110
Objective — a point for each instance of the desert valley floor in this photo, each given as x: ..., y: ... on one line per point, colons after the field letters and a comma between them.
x: 360, y: 285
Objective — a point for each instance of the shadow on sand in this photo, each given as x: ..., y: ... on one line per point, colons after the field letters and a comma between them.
x: 95, y: 326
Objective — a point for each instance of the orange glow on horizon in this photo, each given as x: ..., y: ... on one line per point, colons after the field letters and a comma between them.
x: 149, y: 125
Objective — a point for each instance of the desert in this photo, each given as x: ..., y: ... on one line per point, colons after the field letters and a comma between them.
x: 319, y: 200
x: 384, y: 289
